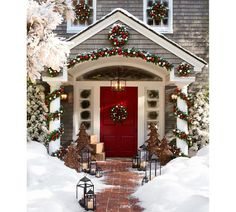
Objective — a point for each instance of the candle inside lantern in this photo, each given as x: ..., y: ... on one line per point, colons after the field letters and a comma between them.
x: 90, y: 204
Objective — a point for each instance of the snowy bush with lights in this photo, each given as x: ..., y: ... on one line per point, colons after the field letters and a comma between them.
x: 200, y: 114
x: 36, y: 114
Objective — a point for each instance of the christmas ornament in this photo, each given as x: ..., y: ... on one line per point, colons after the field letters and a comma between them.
x: 158, y: 11
x: 82, y: 11
x: 184, y: 69
x: 118, y: 35
x: 130, y: 52
x: 118, y: 113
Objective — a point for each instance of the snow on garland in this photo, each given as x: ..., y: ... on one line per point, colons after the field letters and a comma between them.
x: 56, y: 115
x: 184, y: 69
x: 130, y: 52
x: 118, y: 113
x: 55, y: 94
x: 55, y: 134
x: 118, y: 35
x: 184, y: 136
x: 158, y: 11
x: 82, y: 11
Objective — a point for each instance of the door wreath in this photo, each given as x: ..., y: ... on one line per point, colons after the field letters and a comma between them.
x: 118, y: 113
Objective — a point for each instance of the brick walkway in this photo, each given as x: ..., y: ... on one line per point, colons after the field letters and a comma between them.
x: 117, y: 198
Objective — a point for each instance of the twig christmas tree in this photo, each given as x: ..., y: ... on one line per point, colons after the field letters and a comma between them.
x: 153, y: 142
x: 72, y: 158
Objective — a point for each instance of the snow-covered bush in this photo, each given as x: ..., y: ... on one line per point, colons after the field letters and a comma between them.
x: 36, y: 113
x: 44, y: 48
x: 200, y: 113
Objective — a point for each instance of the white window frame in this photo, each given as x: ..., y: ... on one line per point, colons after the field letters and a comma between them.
x: 75, y: 29
x: 161, y: 29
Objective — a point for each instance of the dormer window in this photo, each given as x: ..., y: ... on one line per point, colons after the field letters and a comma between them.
x: 165, y: 24
x: 79, y: 24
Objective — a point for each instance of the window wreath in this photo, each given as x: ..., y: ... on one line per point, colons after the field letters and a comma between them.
x: 118, y: 35
x: 82, y: 11
x: 118, y: 113
x: 158, y: 11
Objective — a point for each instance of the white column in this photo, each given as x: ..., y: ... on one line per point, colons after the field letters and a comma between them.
x: 182, y: 124
x: 54, y: 125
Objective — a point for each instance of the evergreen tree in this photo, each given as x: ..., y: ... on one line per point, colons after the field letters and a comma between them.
x: 200, y: 114
x: 36, y: 114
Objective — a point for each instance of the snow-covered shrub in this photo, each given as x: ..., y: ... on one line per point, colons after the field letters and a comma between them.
x: 36, y: 113
x: 200, y: 113
x: 44, y: 48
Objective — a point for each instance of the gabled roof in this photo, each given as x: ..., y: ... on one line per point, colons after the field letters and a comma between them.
x: 133, y: 22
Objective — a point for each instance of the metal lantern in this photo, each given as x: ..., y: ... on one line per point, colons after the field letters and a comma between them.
x: 99, y: 172
x: 86, y: 184
x: 90, y: 200
x: 136, y: 161
x: 143, y: 155
x: 92, y: 167
x: 145, y: 178
x: 85, y: 159
x: 153, y: 161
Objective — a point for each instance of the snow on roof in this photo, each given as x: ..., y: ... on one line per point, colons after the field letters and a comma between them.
x: 126, y: 13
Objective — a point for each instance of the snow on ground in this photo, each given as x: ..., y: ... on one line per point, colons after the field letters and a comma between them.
x: 50, y: 184
x: 182, y: 187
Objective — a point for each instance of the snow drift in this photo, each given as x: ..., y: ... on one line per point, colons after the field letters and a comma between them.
x: 182, y: 187
x: 51, y: 185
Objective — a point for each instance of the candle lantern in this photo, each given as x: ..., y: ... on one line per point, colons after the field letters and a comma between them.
x: 143, y: 155
x: 86, y: 184
x: 93, y: 167
x: 85, y: 159
x: 136, y: 161
x: 145, y: 178
x: 99, y: 172
x: 90, y: 200
x: 153, y: 166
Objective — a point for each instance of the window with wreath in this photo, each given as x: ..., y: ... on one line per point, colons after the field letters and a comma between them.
x: 159, y: 14
x: 85, y: 12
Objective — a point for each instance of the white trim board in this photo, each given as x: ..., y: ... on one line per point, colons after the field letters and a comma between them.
x: 142, y: 28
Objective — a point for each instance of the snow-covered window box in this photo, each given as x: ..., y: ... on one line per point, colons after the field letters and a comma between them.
x: 166, y: 24
x: 73, y: 27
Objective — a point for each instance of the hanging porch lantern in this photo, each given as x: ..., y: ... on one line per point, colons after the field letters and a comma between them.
x: 99, y: 172
x: 86, y: 184
x: 90, y: 200
x: 118, y: 84
x: 143, y: 155
x: 85, y: 159
x: 145, y: 178
x: 136, y: 161
x: 92, y: 167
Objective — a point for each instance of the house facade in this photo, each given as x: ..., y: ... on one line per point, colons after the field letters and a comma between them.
x: 147, y: 63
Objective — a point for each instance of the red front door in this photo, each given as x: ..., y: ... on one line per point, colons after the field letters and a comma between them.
x: 120, y: 139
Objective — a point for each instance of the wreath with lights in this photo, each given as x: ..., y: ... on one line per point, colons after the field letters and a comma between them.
x: 82, y: 11
x: 158, y: 11
x: 118, y: 113
x: 118, y: 35
x: 184, y: 69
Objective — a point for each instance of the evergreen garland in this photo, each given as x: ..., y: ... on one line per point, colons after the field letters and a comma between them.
x: 55, y: 134
x: 130, y: 52
x: 55, y: 94
x: 56, y: 115
x: 184, y: 136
